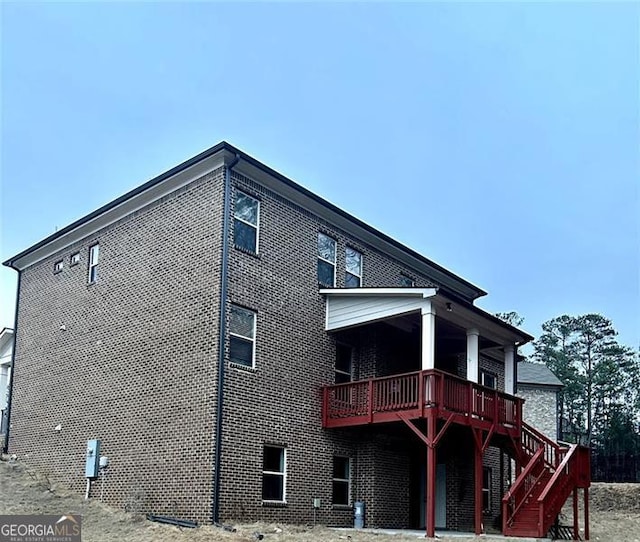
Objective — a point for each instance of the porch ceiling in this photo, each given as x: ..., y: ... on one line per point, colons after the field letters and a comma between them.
x: 350, y: 307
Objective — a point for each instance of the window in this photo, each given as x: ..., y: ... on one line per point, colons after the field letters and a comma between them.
x: 74, y: 259
x: 326, y: 260
x: 344, y: 355
x: 245, y: 225
x: 353, y: 265
x: 489, y: 380
x: 341, y: 481
x: 486, y: 489
x: 407, y: 282
x: 94, y: 254
x: 57, y: 267
x: 242, y: 331
x: 274, y: 474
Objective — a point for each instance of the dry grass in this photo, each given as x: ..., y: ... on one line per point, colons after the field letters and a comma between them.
x: 615, y: 516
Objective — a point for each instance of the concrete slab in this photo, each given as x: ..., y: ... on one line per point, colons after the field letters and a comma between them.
x: 441, y: 534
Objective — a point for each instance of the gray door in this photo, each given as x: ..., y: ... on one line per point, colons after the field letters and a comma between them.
x: 441, y: 496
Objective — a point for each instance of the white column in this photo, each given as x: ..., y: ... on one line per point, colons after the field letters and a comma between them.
x: 428, y: 336
x: 473, y: 356
x: 509, y: 369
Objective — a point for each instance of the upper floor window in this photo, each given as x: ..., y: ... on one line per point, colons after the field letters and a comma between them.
x: 94, y: 254
x: 344, y: 357
x: 407, y: 282
x: 274, y: 473
x: 353, y: 266
x: 341, y: 481
x: 489, y: 380
x: 242, y: 331
x: 246, y: 220
x: 74, y: 259
x: 326, y: 260
x: 58, y: 266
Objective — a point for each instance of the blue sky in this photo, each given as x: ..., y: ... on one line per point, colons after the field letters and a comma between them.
x: 500, y: 140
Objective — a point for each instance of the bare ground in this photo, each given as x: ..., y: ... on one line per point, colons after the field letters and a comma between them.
x: 615, y: 516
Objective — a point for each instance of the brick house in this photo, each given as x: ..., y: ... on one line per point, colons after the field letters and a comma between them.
x: 243, y: 348
x: 539, y: 388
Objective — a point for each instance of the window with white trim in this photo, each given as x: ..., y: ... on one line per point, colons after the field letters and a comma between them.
x: 486, y: 489
x: 246, y: 221
x: 74, y: 259
x: 407, y: 282
x: 326, y: 260
x: 341, y: 495
x: 58, y: 266
x: 489, y: 380
x: 242, y: 336
x: 353, y: 268
x: 344, y: 357
x: 94, y: 255
x: 274, y: 473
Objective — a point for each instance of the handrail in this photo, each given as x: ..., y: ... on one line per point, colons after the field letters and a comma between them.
x: 555, y: 449
x: 520, y: 482
x: 522, y: 476
x: 559, y: 472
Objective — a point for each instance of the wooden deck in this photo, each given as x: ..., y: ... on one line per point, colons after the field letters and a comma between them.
x: 422, y: 394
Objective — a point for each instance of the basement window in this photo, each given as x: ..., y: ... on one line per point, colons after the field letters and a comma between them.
x: 274, y: 474
x: 341, y: 495
x: 486, y: 489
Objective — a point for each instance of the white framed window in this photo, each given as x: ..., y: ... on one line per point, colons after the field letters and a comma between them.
x: 486, y: 489
x: 274, y: 473
x: 341, y: 494
x: 353, y: 268
x: 489, y: 380
x: 407, y: 282
x: 326, y: 260
x: 94, y: 255
x: 246, y: 222
x: 344, y: 360
x: 58, y: 266
x: 242, y: 336
x: 74, y: 259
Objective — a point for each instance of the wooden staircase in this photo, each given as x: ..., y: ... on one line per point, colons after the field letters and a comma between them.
x: 550, y: 475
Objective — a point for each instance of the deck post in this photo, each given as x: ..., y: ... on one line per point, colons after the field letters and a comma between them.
x: 430, y: 512
x: 428, y: 336
x: 478, y: 480
x: 576, y: 534
x: 586, y: 513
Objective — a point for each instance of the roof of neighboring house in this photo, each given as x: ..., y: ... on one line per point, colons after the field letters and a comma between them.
x: 537, y: 373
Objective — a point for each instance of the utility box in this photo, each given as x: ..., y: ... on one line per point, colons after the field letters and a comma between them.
x: 358, y: 514
x: 93, y: 459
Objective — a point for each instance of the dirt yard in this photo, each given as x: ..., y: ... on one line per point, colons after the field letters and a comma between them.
x: 615, y: 517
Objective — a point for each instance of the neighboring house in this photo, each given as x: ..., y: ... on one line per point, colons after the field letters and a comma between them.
x: 539, y: 387
x: 244, y: 349
x: 6, y: 351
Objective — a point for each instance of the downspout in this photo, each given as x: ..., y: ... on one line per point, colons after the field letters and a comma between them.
x: 5, y: 447
x: 226, y: 228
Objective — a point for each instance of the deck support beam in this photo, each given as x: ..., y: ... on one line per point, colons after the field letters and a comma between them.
x: 576, y: 531
x: 586, y: 513
x: 430, y: 512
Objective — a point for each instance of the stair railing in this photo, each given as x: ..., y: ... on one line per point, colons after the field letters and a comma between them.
x: 522, y: 488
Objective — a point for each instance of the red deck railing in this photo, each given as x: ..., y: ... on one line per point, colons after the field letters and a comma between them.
x: 417, y: 394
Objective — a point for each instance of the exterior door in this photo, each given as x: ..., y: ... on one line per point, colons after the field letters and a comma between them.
x: 441, y: 496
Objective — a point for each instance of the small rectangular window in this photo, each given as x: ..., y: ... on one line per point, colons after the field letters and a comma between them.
x: 353, y: 268
x: 245, y: 224
x: 242, y: 331
x: 407, y: 282
x: 486, y: 489
x: 489, y: 380
x: 344, y: 357
x: 94, y: 254
x: 274, y: 474
x: 326, y: 260
x: 341, y: 481
x: 58, y: 266
x: 74, y: 259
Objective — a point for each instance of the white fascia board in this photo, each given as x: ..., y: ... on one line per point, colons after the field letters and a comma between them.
x: 127, y: 207
x: 423, y: 293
